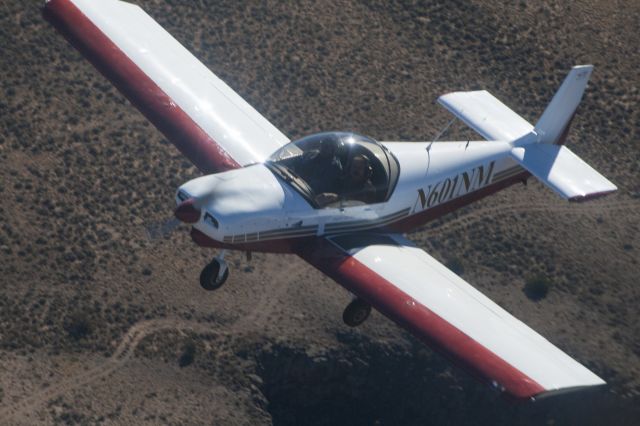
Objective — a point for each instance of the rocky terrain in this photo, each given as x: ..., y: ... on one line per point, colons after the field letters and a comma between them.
x: 103, y: 322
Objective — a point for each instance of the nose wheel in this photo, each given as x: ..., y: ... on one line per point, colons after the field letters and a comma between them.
x: 356, y: 312
x: 215, y: 273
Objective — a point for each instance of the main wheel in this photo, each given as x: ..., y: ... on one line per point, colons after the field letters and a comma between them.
x: 210, y: 277
x: 356, y: 312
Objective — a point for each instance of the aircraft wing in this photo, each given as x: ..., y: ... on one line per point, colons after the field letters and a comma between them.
x: 422, y: 295
x: 206, y: 120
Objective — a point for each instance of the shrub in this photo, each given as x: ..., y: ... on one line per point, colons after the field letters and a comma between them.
x: 188, y: 354
x: 536, y: 288
x: 78, y: 325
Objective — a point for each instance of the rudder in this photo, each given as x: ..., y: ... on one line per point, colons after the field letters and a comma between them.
x: 553, y: 126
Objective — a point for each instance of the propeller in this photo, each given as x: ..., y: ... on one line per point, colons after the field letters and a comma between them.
x: 186, y: 212
x: 163, y: 229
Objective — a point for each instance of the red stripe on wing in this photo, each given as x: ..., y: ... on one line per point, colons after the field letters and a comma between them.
x: 419, y: 320
x: 139, y: 89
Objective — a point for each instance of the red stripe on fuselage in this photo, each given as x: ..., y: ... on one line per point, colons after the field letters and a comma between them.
x: 174, y: 123
x: 413, y: 221
x: 419, y: 320
x: 288, y: 245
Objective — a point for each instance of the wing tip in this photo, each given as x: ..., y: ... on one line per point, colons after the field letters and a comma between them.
x: 592, y: 387
x: 584, y: 66
x: 592, y: 196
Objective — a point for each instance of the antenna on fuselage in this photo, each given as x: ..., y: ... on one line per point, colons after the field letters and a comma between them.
x: 438, y: 136
x: 442, y: 132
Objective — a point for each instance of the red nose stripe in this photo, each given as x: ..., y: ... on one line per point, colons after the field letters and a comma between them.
x: 186, y: 212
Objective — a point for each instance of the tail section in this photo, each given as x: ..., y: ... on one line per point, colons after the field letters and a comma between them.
x: 553, y: 164
x: 538, y: 149
x: 553, y: 126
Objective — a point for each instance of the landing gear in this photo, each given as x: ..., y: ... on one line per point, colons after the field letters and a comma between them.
x: 356, y: 312
x: 215, y: 273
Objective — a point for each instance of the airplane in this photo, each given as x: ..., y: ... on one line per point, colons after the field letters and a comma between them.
x: 343, y: 201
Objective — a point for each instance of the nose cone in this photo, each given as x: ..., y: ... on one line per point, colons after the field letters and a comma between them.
x: 238, y: 201
x: 187, y: 212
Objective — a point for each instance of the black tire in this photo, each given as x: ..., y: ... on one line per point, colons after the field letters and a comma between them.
x: 209, y: 275
x: 356, y: 313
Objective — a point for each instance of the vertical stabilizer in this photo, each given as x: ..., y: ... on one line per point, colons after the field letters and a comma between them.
x: 554, y: 124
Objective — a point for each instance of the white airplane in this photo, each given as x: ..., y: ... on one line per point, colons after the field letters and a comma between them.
x: 341, y: 201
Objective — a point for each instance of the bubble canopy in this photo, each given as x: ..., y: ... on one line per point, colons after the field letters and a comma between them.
x: 337, y: 169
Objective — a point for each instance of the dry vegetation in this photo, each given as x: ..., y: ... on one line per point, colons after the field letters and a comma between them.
x: 100, y: 324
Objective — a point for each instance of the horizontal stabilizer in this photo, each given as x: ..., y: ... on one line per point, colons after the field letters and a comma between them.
x: 563, y: 171
x: 485, y: 114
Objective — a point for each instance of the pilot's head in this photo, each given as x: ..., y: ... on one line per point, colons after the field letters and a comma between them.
x: 360, y: 169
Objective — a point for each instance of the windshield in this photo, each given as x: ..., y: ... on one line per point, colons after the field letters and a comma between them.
x: 337, y: 169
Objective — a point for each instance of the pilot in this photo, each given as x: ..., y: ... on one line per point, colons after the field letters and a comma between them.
x: 321, y: 168
x: 358, y: 184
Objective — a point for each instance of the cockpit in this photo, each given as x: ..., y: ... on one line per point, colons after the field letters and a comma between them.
x: 337, y: 169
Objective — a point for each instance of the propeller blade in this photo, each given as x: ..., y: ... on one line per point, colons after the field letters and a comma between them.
x: 162, y: 229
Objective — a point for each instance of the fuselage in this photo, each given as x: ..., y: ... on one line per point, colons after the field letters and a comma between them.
x: 265, y: 207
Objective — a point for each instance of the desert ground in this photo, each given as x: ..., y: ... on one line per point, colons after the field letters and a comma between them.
x: 102, y: 320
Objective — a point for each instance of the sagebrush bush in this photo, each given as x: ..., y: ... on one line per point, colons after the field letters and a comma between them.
x: 78, y: 325
x: 188, y: 354
x: 537, y: 287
